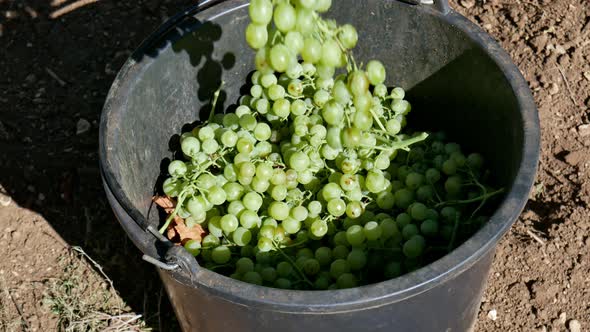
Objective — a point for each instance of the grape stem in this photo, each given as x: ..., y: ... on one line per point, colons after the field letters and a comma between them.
x: 472, y: 200
x: 454, y: 234
x: 214, y: 102
x: 302, y: 275
x: 174, y: 213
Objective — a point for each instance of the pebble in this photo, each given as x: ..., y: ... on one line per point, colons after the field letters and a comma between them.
x: 584, y: 130
x: 553, y: 89
x: 587, y: 75
x: 82, y: 126
x: 562, y: 318
x: 467, y: 3
x: 493, y: 314
x: 574, y: 326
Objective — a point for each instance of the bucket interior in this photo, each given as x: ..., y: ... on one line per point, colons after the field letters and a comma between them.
x: 452, y: 83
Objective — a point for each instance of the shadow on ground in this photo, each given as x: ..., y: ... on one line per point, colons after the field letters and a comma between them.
x: 58, y: 61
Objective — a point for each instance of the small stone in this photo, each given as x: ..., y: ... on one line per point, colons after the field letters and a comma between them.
x: 560, y: 50
x: 575, y: 326
x: 587, y: 75
x: 467, y: 3
x: 576, y: 157
x: 493, y: 314
x: 584, y: 130
x: 541, y: 329
x: 562, y: 318
x: 553, y: 89
x: 82, y: 126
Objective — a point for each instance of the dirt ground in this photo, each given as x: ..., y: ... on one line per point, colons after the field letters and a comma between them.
x: 57, y: 62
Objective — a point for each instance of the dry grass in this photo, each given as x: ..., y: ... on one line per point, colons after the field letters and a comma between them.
x: 84, y: 301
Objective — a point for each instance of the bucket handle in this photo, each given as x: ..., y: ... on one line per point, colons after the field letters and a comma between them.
x: 175, y: 257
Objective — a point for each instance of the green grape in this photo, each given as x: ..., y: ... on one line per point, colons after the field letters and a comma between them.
x: 372, y: 231
x: 305, y: 21
x: 294, y: 41
x: 264, y: 244
x: 249, y: 219
x: 314, y: 208
x: 177, y: 168
x: 454, y: 184
x: 235, y: 208
x: 363, y: 102
x: 278, y: 210
x: 323, y: 255
x: 331, y: 54
x: 375, y: 182
x: 429, y: 228
x: 388, y: 228
x: 319, y: 228
x: 193, y: 247
x: 474, y: 161
x: 322, y: 282
x: 283, y: 283
x: 322, y: 6
x: 385, y: 200
x: 241, y: 236
x: 268, y: 274
x: 244, y: 265
x: 380, y: 90
x: 252, y: 201
x: 291, y: 226
x: 425, y: 193
x: 280, y: 57
x: 401, y: 107
x: 340, y: 252
x: 397, y: 93
x: 256, y: 35
x: 392, y: 270
x: 375, y: 72
x: 452, y: 147
x: 418, y: 211
x: 190, y: 146
x: 348, y: 36
x: 210, y: 241
x: 216, y: 195
x: 233, y: 191
x: 403, y: 198
x: 267, y: 231
x: 339, y: 267
x: 312, y: 50
x: 409, y: 231
x: 299, y: 161
x: 341, y: 93
x: 284, y: 269
x: 357, y: 259
x: 221, y: 254
x: 260, y: 11
x: 309, y: 4
x: 276, y: 92
x: 311, y: 266
x: 358, y: 83
x: 354, y: 209
x: 262, y: 131
x: 284, y: 17
x: 355, y: 235
x: 252, y: 277
x: 403, y: 219
x: 414, y: 247
x: 432, y: 175
x: 281, y: 108
x: 321, y: 97
x: 229, y: 223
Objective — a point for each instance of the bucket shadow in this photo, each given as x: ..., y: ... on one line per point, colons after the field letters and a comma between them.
x: 50, y: 168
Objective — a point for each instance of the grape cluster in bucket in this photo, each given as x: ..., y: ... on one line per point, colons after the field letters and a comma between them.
x: 315, y: 182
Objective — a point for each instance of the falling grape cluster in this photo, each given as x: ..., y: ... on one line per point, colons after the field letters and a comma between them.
x: 314, y: 182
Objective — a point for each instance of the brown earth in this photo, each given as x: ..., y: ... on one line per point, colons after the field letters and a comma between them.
x: 54, y: 76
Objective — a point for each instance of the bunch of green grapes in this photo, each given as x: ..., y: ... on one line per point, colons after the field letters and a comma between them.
x: 311, y: 183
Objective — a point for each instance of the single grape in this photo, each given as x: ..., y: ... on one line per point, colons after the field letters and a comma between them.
x: 375, y: 72
x: 312, y: 50
x: 193, y: 247
x: 339, y: 267
x: 348, y: 36
x: 221, y: 254
x: 256, y: 35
